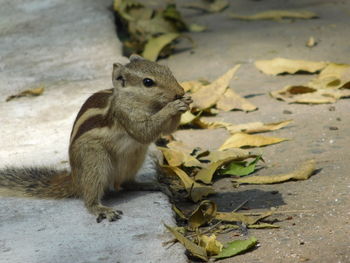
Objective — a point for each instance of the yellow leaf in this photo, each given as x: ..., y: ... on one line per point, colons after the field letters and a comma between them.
x: 155, y: 45
x: 256, y: 127
x: 208, y: 95
x: 239, y: 217
x: 307, y: 95
x: 204, y: 124
x: 277, y: 15
x: 212, y: 6
x: 29, y: 92
x: 210, y: 244
x: 303, y: 173
x: 178, y: 212
x: 196, y: 28
x: 281, y: 65
x: 238, y: 140
x: 236, y: 153
x: 188, y: 117
x: 192, y: 85
x: 232, y: 101
x: 262, y: 225
x: 195, y: 190
x: 177, y: 157
x: 194, y: 249
x: 203, y: 214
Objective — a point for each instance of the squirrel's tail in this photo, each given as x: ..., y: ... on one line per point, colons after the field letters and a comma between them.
x: 41, y: 182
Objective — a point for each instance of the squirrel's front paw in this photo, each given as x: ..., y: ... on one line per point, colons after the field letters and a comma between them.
x: 187, y: 99
x: 178, y: 106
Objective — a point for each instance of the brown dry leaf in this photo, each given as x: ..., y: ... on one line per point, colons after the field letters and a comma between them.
x: 230, y: 100
x: 195, y: 190
x: 239, y: 217
x: 282, y: 65
x: 256, y: 127
x: 194, y: 249
x: 334, y: 76
x: 27, y: 93
x: 277, y: 15
x: 211, y: 6
x: 210, y: 244
x: 208, y: 95
x: 238, y: 140
x: 217, y: 159
x: 303, y: 173
x: 204, y: 213
x: 306, y: 95
x: 177, y: 157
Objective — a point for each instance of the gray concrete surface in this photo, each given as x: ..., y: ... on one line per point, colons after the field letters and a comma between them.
x: 68, y: 47
x: 322, y: 235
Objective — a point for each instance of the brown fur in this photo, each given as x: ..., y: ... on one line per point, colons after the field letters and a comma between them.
x: 111, y: 135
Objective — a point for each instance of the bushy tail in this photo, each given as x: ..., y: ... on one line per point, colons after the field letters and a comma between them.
x: 41, y: 182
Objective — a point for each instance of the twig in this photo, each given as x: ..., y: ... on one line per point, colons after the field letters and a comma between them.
x: 240, y: 205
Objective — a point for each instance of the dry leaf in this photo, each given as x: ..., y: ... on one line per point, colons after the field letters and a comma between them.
x: 237, y: 154
x: 282, y: 65
x: 239, y: 217
x: 238, y: 140
x: 277, y: 15
x: 29, y: 92
x: 303, y: 173
x: 155, y: 45
x: 230, y: 100
x: 263, y: 226
x: 307, y: 95
x: 188, y: 117
x: 204, y: 213
x: 179, y: 212
x: 210, y: 244
x: 195, y: 190
x: 194, y: 249
x: 204, y: 124
x: 211, y: 6
x: 207, y: 96
x: 192, y: 85
x: 256, y: 127
x: 178, y: 157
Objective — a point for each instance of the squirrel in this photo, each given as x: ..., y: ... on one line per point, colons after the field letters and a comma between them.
x: 110, y: 138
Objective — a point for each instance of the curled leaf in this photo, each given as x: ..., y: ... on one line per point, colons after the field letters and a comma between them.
x: 303, y: 173
x: 195, y: 190
x: 203, y: 214
x: 211, y: 6
x: 210, y: 244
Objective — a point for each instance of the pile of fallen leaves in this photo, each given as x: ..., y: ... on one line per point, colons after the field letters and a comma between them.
x: 191, y: 172
x: 331, y: 83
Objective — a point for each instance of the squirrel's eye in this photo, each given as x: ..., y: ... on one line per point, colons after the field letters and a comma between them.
x: 148, y: 82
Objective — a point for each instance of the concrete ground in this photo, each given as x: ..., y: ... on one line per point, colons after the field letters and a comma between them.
x: 68, y: 47
x: 323, y: 234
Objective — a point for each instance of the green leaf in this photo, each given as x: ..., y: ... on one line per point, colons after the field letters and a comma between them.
x: 155, y: 45
x: 241, y: 168
x: 236, y: 247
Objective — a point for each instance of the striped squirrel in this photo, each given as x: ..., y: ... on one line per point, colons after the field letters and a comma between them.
x: 110, y: 138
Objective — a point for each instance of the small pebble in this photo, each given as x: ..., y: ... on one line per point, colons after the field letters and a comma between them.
x: 338, y: 119
x: 287, y: 112
x: 333, y: 128
x: 331, y: 108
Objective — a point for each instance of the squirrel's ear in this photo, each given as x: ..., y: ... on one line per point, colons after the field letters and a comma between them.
x: 135, y: 57
x: 118, y: 77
